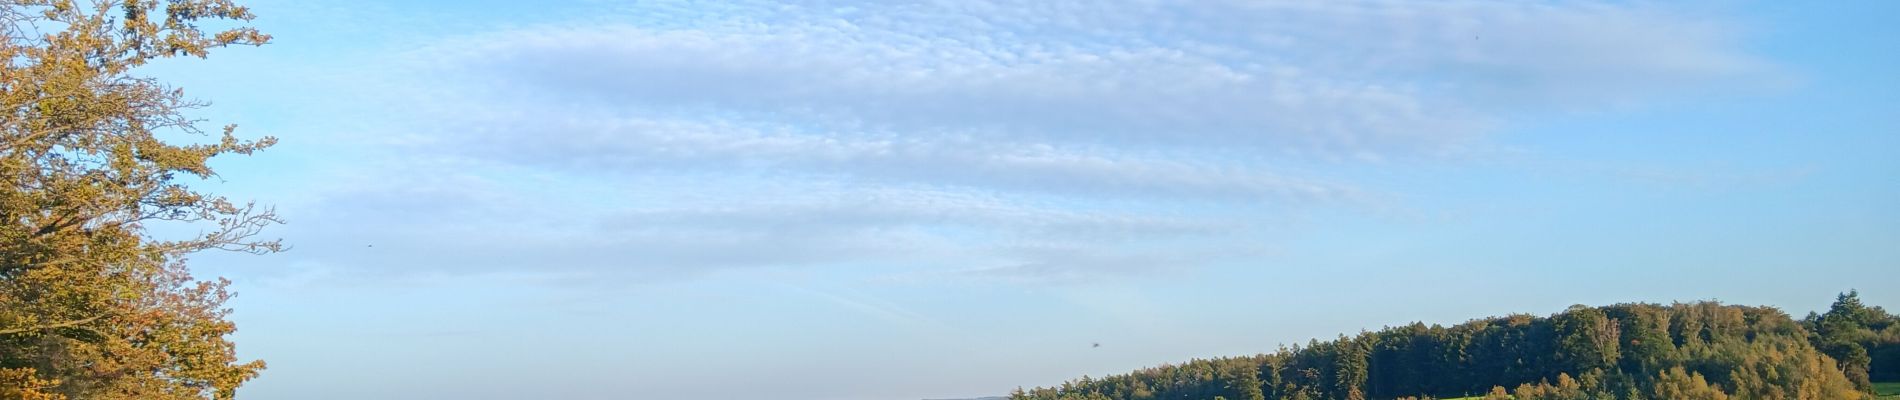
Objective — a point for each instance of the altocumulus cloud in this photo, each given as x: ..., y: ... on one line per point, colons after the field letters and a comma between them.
x: 1024, y: 141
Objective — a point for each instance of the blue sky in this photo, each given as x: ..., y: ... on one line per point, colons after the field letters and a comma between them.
x: 839, y: 200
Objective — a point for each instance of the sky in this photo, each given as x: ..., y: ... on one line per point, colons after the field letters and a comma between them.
x: 879, y: 200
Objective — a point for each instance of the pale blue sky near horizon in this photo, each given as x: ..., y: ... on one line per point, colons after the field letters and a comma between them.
x: 878, y: 200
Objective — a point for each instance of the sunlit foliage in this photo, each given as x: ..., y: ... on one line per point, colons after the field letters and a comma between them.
x: 92, y: 305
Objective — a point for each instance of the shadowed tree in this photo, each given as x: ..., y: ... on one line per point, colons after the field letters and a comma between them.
x: 92, y: 305
x: 1588, y: 339
x: 1847, y: 333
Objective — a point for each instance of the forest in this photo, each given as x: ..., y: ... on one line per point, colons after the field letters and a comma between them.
x: 1701, y: 350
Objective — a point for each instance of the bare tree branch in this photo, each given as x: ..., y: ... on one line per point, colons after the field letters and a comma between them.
x: 66, y: 324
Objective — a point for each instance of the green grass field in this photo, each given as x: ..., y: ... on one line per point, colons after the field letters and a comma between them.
x: 1883, y: 389
x: 1887, y: 390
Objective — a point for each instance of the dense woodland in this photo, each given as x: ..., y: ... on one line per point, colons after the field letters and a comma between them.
x: 1702, y: 350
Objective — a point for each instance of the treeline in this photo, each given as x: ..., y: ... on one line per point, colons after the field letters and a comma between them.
x: 1702, y: 350
x: 1865, y: 339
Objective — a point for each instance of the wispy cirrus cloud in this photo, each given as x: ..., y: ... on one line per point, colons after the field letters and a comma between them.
x: 1353, y: 75
x: 1047, y: 140
x: 455, y: 226
x: 608, y: 145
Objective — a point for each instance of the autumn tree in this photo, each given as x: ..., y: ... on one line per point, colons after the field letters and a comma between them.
x: 1676, y: 383
x: 92, y: 304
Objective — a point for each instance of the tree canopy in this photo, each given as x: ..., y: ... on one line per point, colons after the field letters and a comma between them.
x: 92, y: 304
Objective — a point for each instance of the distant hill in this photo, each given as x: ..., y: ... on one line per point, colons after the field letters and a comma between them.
x: 1702, y: 350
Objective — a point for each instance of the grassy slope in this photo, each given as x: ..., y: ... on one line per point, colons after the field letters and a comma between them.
x: 1887, y: 390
